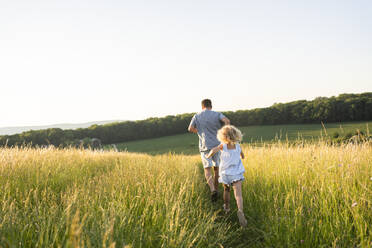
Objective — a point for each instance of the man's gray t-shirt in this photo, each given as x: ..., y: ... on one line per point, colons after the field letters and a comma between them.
x: 207, y: 122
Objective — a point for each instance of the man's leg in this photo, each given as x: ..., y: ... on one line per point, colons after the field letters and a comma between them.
x: 216, y: 178
x: 209, y: 177
x: 207, y: 163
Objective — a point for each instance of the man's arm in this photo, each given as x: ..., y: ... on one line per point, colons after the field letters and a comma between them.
x: 225, y: 120
x: 192, y: 129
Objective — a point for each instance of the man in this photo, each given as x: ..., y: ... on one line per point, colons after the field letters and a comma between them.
x: 206, y: 124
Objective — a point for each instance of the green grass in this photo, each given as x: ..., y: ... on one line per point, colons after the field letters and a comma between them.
x: 180, y: 144
x: 312, y: 195
x: 188, y: 143
x: 300, y: 131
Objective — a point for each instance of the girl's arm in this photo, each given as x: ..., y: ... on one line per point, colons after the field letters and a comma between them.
x: 214, y: 151
x: 241, y: 152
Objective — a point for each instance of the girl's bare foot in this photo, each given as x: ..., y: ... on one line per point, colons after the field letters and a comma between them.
x: 226, y: 209
x: 242, y: 220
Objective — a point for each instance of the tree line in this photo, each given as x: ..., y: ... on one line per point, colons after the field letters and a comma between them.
x: 345, y: 107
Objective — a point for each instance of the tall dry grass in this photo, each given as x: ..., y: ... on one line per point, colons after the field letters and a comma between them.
x: 75, y: 198
x: 312, y: 195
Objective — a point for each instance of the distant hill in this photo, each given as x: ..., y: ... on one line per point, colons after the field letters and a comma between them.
x: 343, y: 108
x: 20, y: 129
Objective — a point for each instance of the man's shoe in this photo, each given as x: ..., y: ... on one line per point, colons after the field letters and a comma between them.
x: 214, y: 196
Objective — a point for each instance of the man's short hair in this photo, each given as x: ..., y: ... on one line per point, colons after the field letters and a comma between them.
x: 206, y: 103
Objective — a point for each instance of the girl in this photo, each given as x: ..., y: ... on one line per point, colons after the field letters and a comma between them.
x: 231, y: 167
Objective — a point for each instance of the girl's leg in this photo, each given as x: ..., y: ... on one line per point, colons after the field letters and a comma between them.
x: 226, y: 197
x: 238, y: 194
x: 239, y: 201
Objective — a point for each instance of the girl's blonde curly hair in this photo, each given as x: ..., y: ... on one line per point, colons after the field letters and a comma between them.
x: 229, y: 134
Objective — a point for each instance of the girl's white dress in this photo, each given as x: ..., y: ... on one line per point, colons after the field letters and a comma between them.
x: 231, y: 168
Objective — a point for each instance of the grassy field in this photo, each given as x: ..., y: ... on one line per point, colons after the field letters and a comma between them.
x: 188, y: 143
x: 294, y: 196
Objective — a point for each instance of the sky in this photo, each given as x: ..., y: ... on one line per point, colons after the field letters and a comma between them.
x: 79, y: 61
